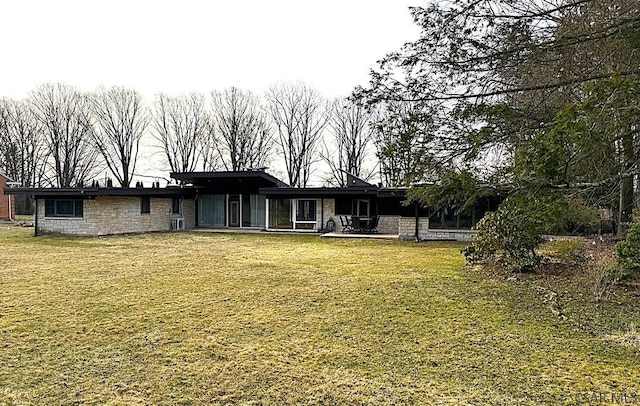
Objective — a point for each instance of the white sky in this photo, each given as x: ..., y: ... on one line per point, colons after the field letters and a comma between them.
x: 197, y: 45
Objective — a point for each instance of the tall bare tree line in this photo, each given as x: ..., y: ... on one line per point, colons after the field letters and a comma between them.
x: 64, y: 115
x: 245, y: 138
x: 59, y: 136
x: 120, y: 122
x: 299, y: 115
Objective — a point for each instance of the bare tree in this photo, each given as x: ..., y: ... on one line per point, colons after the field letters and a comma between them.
x: 183, y: 128
x: 345, y: 149
x: 20, y: 142
x: 64, y: 113
x: 245, y: 135
x: 299, y: 115
x: 121, y: 120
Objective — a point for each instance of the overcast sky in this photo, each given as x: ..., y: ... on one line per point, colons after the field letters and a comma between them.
x: 197, y: 45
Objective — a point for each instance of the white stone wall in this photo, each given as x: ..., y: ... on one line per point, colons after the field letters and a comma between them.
x: 115, y: 215
x: 388, y: 224
x: 455, y: 235
x: 188, y: 213
x: 329, y: 212
x: 407, y: 227
x: 407, y: 231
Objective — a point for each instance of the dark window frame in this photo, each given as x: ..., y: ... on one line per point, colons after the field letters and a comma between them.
x: 280, y: 213
x: 310, y: 209
x: 57, y: 208
x: 176, y: 205
x: 356, y: 206
x: 145, y: 205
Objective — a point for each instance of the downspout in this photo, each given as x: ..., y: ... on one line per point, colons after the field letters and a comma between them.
x: 9, y: 197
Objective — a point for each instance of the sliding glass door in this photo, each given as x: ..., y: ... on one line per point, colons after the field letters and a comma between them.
x: 212, y: 210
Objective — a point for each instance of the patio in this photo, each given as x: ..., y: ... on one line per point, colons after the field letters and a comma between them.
x: 335, y: 234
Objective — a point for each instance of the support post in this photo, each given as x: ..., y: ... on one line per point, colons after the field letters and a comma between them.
x: 417, y: 236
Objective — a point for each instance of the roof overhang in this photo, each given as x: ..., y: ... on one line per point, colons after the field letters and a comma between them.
x: 318, y: 192
x: 90, y: 193
x: 228, y: 179
x: 392, y: 192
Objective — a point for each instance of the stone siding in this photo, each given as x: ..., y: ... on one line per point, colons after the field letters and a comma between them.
x: 407, y: 227
x: 188, y: 213
x: 407, y: 231
x: 329, y: 212
x: 388, y: 224
x: 115, y: 215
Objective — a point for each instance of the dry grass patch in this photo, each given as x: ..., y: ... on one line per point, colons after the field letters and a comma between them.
x: 198, y: 318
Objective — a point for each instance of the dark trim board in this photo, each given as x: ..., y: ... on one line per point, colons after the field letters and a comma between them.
x: 260, y: 178
x: 90, y: 193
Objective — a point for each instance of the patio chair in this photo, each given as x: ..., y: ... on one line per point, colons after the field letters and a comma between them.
x: 346, y: 226
x: 356, y: 225
x: 373, y: 226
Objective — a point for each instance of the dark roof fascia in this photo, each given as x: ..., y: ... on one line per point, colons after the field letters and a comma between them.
x: 88, y: 193
x: 320, y: 191
x: 191, y: 176
x: 392, y: 192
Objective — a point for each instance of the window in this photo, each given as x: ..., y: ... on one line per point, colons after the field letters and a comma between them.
x: 448, y: 218
x: 280, y: 213
x: 306, y: 210
x: 360, y: 207
x: 175, y: 206
x: 253, y: 210
x: 145, y: 205
x: 211, y: 210
x: 63, y: 208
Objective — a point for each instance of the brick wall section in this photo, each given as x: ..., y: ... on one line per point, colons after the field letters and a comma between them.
x: 407, y: 231
x: 4, y: 202
x: 115, y: 215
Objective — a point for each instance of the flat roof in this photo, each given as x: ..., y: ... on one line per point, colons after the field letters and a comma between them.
x: 318, y: 191
x: 89, y: 193
x: 257, y: 178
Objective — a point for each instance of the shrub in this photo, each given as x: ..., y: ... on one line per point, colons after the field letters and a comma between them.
x: 570, y: 252
x: 509, y: 237
x: 628, y: 252
x: 601, y: 277
x: 581, y: 218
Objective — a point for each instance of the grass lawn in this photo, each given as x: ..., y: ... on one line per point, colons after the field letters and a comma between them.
x: 200, y: 318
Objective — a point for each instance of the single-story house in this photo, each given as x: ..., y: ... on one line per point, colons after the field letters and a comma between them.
x: 239, y: 199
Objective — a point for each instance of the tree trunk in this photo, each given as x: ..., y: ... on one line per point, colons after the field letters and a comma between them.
x: 626, y: 186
